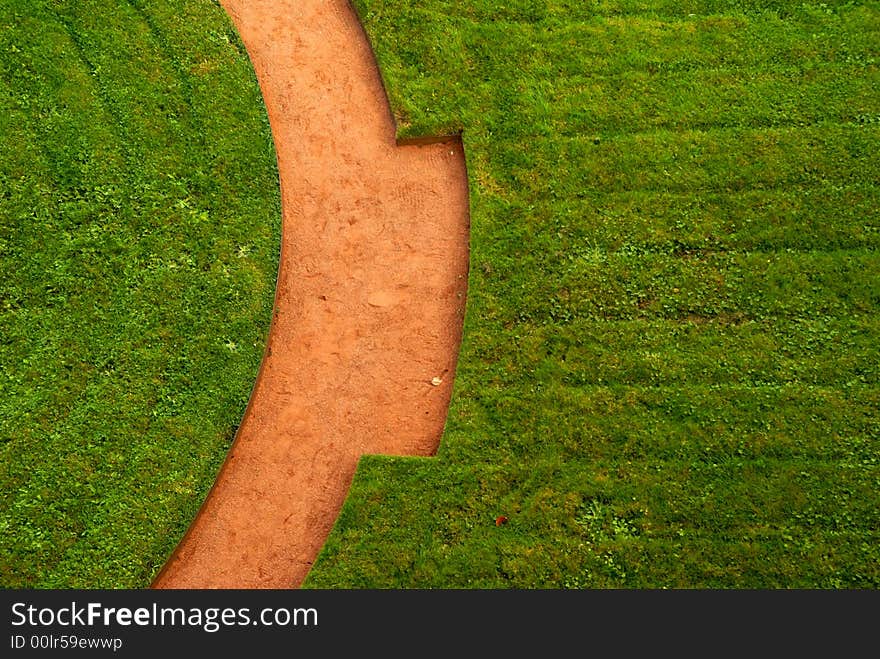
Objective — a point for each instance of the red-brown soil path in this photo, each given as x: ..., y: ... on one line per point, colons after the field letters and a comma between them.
x: 369, y: 302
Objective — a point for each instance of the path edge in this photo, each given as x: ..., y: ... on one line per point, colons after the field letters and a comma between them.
x: 400, y: 142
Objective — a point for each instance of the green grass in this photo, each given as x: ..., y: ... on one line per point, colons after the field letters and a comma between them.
x: 670, y: 372
x: 139, y: 234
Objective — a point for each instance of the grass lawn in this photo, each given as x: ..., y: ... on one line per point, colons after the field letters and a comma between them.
x: 669, y: 374
x: 139, y: 231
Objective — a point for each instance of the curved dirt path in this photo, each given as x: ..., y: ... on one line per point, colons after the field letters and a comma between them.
x: 369, y: 302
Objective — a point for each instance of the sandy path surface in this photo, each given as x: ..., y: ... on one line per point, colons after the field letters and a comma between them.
x: 369, y: 302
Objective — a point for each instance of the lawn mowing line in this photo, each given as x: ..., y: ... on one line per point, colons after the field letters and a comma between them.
x: 635, y: 384
x: 593, y: 131
x: 103, y: 95
x: 804, y: 69
x: 711, y: 129
x: 805, y: 184
x: 41, y: 129
x: 636, y: 37
x: 182, y: 75
x: 636, y: 255
x: 565, y: 130
x: 629, y: 385
x: 796, y: 189
x: 682, y: 250
x: 685, y: 250
x: 598, y: 18
x: 757, y: 386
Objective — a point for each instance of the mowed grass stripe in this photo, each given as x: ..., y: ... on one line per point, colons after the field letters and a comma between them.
x: 688, y: 161
x: 622, y: 422
x: 617, y: 286
x: 829, y: 216
x: 694, y: 351
x: 573, y: 11
x: 606, y: 106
